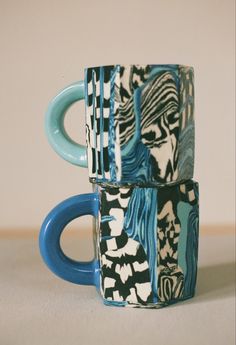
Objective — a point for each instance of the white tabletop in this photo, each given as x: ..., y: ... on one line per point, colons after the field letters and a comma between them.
x: 37, y: 308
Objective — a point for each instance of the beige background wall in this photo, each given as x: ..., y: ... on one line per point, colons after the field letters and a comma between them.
x: 46, y: 44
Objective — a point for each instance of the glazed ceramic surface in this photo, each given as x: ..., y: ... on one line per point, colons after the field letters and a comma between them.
x: 139, y: 124
x: 146, y: 243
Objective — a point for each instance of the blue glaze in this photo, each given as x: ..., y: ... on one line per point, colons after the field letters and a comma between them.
x: 155, y: 69
x: 183, y: 210
x: 86, y: 273
x: 119, y: 154
x: 95, y: 162
x: 173, y: 69
x: 107, y: 237
x: 192, y: 249
x: 189, y: 100
x: 54, y: 125
x: 135, y: 156
x: 86, y: 86
x: 112, y: 134
x: 115, y: 303
x: 186, y: 150
x: 105, y: 219
x: 141, y: 223
x: 136, y: 165
x: 188, y: 243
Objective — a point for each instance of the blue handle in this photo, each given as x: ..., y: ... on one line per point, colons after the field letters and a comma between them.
x: 84, y: 273
x: 54, y: 125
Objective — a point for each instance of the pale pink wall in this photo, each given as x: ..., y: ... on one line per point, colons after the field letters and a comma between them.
x: 46, y: 44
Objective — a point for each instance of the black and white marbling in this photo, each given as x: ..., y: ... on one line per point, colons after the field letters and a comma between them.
x: 140, y: 124
x: 148, y: 244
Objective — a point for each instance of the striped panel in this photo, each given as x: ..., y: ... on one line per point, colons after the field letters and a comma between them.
x: 187, y: 132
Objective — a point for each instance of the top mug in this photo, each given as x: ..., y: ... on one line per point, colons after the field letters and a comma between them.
x: 139, y: 124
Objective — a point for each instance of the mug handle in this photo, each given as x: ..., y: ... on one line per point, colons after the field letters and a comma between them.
x: 55, y: 129
x: 85, y: 273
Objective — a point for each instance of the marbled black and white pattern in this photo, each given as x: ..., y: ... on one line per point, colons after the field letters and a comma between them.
x: 140, y: 124
x: 148, y: 244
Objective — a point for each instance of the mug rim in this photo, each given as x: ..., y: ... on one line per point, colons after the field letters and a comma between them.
x: 170, y: 65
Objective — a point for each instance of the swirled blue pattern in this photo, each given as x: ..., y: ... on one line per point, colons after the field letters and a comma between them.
x: 140, y: 124
x: 141, y: 223
x: 148, y: 244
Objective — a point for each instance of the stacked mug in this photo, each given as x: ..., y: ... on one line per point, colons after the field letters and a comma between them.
x: 140, y: 158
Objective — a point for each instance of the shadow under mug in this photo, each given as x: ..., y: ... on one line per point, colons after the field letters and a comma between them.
x: 139, y: 124
x: 146, y: 243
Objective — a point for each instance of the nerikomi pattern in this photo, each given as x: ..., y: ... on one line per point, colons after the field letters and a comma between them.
x: 140, y: 123
x: 148, y: 244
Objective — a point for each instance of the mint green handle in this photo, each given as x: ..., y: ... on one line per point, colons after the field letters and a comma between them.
x: 54, y: 125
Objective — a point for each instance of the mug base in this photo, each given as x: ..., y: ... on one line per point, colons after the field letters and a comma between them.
x: 157, y: 305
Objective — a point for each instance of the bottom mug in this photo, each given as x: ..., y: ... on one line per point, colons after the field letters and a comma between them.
x: 146, y: 243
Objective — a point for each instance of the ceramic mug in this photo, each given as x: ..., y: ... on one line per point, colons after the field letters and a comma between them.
x: 146, y: 243
x: 139, y: 124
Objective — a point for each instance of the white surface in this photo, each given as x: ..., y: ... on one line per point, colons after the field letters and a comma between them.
x: 45, y: 46
x: 37, y: 308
